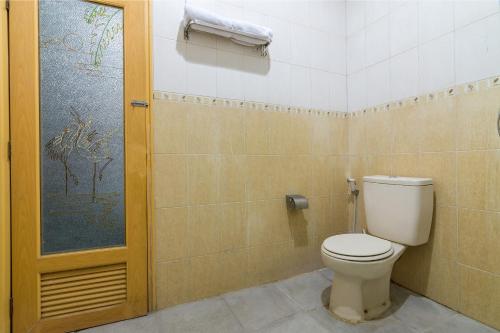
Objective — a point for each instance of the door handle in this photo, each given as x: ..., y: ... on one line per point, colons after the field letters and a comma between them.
x: 138, y: 103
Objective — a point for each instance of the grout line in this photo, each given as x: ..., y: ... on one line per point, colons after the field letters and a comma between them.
x: 457, y: 220
x: 430, y: 329
x: 388, y: 154
x: 231, y: 310
x: 455, y: 28
x: 478, y: 269
x: 345, y: 57
x: 278, y: 321
x: 289, y: 297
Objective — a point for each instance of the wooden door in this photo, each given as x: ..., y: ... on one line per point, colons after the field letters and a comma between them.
x: 4, y: 174
x: 79, y: 162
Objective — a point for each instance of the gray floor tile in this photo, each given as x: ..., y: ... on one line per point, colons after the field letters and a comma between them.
x: 393, y: 325
x: 210, y: 315
x: 310, y: 291
x: 400, y: 294
x: 327, y: 273
x: 398, y: 297
x: 461, y: 324
x: 329, y: 322
x: 421, y: 313
x: 296, y: 323
x: 260, y: 306
x: 278, y: 308
x: 146, y: 324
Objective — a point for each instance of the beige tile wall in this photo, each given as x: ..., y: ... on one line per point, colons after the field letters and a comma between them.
x: 454, y: 140
x: 220, y: 175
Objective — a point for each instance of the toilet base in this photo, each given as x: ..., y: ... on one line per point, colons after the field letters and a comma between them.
x: 354, y: 300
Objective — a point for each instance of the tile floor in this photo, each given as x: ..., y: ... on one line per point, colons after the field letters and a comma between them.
x: 296, y: 305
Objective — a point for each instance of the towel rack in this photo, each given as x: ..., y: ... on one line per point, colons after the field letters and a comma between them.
x: 242, y: 38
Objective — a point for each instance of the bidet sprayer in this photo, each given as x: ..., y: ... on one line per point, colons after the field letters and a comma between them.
x: 353, y: 187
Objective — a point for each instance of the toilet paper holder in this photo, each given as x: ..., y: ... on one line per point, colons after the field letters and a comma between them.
x: 296, y: 201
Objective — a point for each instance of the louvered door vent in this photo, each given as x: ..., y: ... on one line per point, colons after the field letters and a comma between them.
x: 71, y: 292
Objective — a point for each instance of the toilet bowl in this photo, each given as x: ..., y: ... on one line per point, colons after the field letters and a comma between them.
x: 398, y: 214
x: 360, y: 289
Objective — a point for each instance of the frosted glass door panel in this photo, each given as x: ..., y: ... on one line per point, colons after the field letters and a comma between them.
x: 81, y: 126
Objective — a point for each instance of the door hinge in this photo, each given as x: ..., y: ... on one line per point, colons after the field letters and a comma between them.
x: 9, y: 150
x: 11, y: 307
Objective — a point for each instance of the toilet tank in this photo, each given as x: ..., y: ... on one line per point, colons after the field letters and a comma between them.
x: 399, y: 209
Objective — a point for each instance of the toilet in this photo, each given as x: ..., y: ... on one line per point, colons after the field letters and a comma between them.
x: 398, y: 214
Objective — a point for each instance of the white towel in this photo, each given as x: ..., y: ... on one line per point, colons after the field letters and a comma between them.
x: 203, y: 15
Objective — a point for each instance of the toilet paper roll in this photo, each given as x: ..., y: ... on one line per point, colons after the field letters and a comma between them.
x: 297, y: 201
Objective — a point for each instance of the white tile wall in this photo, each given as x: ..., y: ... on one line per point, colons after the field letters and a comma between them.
x: 377, y: 83
x: 404, y: 74
x: 468, y: 11
x: 404, y: 28
x: 377, y: 41
x: 339, y: 92
x: 167, y: 16
x: 229, y: 77
x: 477, y: 49
x: 170, y: 72
x: 321, y: 54
x: 255, y: 80
x: 356, y: 90
x: 331, y: 54
x: 355, y: 19
x: 321, y: 89
x: 281, y: 48
x: 306, y: 66
x: 436, y: 64
x: 435, y: 18
x: 356, y: 46
x: 376, y: 9
x: 278, y: 83
x: 301, y: 45
x: 324, y: 15
x: 300, y: 90
x: 431, y: 45
x: 337, y: 59
x: 201, y: 73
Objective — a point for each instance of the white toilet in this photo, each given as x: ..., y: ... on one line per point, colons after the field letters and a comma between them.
x: 398, y: 214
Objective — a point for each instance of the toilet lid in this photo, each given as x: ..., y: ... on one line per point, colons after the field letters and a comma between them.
x: 357, y: 245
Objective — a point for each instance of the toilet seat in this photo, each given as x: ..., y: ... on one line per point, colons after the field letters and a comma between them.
x: 359, y: 259
x: 357, y: 247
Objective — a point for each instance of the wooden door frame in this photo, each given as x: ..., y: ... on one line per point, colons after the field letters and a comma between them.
x: 5, y: 258
x: 150, y: 208
x: 4, y: 174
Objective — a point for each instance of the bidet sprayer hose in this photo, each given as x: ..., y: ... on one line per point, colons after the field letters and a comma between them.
x: 355, y: 222
x: 354, y: 191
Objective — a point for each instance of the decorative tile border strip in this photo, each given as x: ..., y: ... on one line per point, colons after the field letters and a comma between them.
x: 457, y: 90
x: 462, y: 89
x: 246, y: 105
